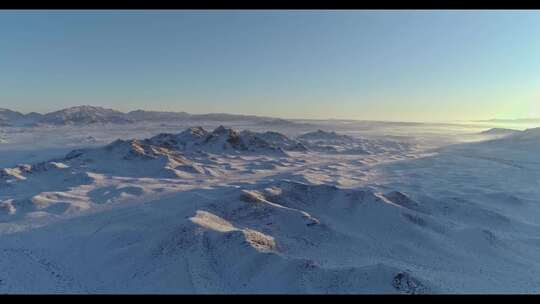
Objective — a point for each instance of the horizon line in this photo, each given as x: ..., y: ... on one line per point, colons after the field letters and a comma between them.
x: 278, y: 117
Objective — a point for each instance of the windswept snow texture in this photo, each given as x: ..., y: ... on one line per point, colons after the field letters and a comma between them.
x: 342, y: 207
x: 331, y: 142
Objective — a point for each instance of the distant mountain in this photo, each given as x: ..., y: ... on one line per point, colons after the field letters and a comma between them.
x: 82, y: 115
x: 527, y: 140
x: 280, y: 123
x: 141, y: 115
x: 532, y: 134
x: 8, y: 115
x: 499, y: 131
x: 14, y: 118
x: 33, y: 116
x: 85, y: 115
x: 226, y: 117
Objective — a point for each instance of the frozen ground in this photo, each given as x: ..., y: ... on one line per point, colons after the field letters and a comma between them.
x: 373, y: 208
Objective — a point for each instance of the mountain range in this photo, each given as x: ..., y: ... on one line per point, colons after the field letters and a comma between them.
x: 85, y: 115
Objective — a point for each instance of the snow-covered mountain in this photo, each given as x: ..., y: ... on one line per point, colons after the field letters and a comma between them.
x: 141, y: 115
x: 191, y: 154
x: 228, y: 211
x: 170, y: 155
x: 83, y: 115
x: 86, y: 115
x: 14, y: 118
x: 499, y: 131
x: 279, y: 140
x: 164, y: 155
x: 225, y: 117
x: 219, y: 140
x: 283, y: 238
x: 134, y: 158
x: 8, y: 115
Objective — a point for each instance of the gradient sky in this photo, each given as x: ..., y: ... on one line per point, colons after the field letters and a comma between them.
x: 377, y: 65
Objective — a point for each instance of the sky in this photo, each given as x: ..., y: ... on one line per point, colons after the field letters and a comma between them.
x: 375, y: 65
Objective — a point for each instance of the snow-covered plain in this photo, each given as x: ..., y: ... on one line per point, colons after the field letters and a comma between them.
x: 282, y: 208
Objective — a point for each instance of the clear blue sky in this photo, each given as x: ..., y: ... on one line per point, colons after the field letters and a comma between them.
x: 388, y: 65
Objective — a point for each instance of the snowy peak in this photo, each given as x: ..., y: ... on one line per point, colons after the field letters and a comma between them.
x: 170, y: 155
x: 197, y: 132
x: 135, y: 158
x: 281, y: 140
x: 246, y: 141
x: 222, y: 131
x: 224, y: 139
x: 135, y: 149
x: 181, y: 140
x: 81, y: 115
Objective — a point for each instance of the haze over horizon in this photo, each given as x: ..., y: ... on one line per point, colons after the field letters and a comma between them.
x: 534, y: 120
x: 362, y: 65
